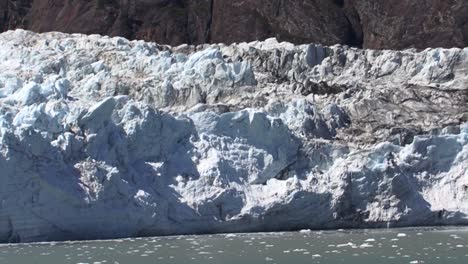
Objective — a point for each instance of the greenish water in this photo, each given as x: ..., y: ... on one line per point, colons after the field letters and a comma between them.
x: 423, y: 245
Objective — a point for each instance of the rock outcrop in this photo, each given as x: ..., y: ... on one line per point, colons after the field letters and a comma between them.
x: 393, y: 24
x: 104, y: 137
x: 397, y: 24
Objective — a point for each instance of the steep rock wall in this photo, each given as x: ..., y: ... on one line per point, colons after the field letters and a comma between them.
x: 371, y: 24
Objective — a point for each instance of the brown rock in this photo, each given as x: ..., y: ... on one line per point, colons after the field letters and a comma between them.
x: 398, y: 24
x: 378, y: 24
x: 321, y: 21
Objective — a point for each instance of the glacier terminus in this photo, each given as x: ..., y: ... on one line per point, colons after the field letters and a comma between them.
x: 104, y: 137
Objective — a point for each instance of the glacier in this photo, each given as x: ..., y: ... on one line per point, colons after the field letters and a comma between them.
x: 104, y: 137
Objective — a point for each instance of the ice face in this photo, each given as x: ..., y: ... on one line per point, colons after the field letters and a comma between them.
x: 104, y: 137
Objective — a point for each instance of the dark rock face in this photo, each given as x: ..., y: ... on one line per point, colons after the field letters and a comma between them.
x: 321, y: 21
x: 165, y: 21
x: 377, y: 24
x: 398, y: 24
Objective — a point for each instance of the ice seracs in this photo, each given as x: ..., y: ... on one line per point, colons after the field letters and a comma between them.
x: 104, y: 137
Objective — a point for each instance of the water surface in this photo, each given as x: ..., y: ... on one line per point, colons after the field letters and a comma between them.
x: 415, y: 245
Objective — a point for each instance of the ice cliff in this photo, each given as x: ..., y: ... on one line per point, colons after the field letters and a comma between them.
x: 104, y: 137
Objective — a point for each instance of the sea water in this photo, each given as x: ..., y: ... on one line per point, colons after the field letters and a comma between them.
x: 412, y: 245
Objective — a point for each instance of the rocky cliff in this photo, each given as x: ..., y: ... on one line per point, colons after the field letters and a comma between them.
x: 104, y: 137
x: 389, y: 24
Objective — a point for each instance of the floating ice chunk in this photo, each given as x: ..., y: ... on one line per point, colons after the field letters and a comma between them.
x: 349, y: 244
x: 366, y: 245
x: 299, y: 250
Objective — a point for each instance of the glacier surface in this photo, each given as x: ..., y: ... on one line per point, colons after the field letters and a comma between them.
x: 104, y: 137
